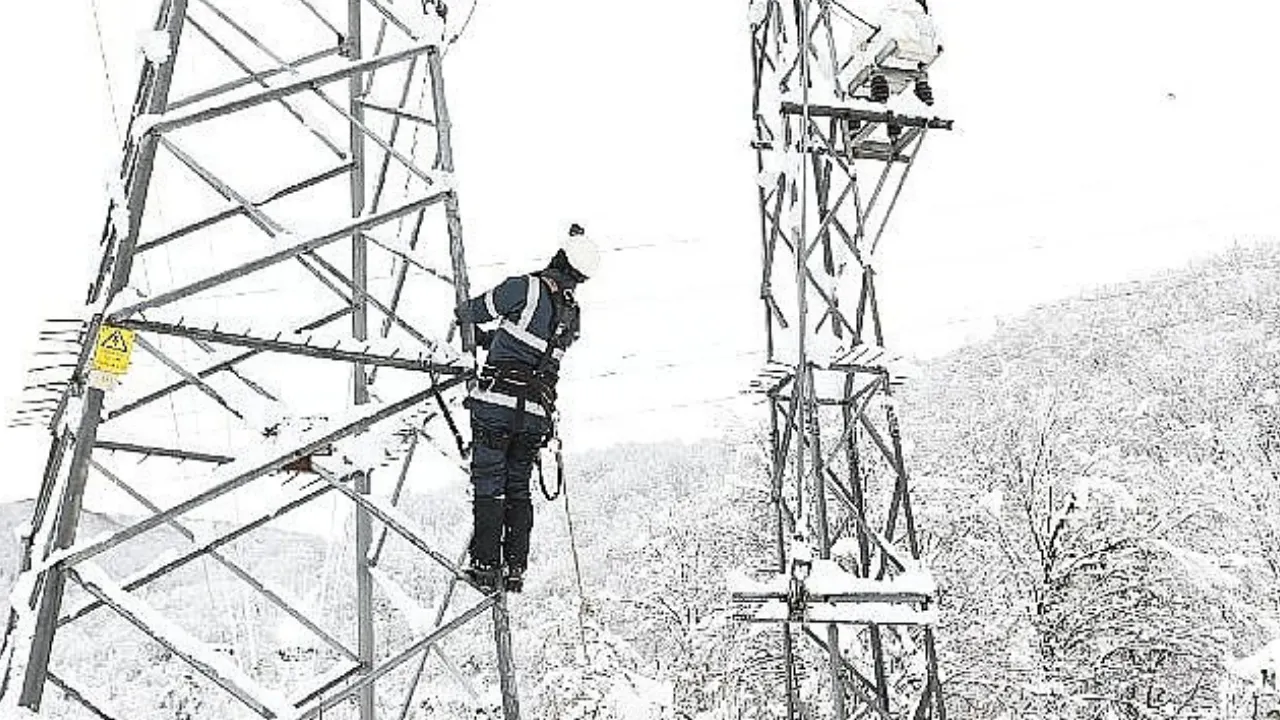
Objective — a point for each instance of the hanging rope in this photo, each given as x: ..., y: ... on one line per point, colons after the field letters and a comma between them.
x: 577, y: 568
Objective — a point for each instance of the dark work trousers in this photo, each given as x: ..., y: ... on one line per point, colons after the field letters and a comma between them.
x: 502, y: 460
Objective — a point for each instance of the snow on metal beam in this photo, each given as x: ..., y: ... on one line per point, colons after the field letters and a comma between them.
x: 267, y: 460
x: 861, y: 613
x: 343, y: 349
x: 199, y: 655
x: 886, y: 116
x: 175, y: 120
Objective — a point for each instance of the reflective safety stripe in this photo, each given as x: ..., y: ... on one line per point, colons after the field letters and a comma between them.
x: 529, y: 338
x: 531, y: 296
x: 507, y: 401
x: 489, y: 305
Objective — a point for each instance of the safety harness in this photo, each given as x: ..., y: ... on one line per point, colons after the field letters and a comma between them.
x: 536, y: 384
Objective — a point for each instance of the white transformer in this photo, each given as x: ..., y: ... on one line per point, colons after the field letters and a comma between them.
x: 895, y: 52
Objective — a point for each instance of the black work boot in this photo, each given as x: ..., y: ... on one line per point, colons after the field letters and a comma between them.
x: 483, y: 576
x: 486, y: 540
x: 518, y: 522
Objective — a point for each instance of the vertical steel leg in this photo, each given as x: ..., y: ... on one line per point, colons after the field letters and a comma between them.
x: 788, y: 656
x: 506, y: 664
x: 360, y: 330
x: 837, y: 683
x: 364, y: 595
x: 359, y: 245
x: 55, y: 578
x: 444, y: 142
x: 141, y: 156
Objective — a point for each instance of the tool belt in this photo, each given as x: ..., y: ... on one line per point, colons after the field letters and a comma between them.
x: 521, y: 382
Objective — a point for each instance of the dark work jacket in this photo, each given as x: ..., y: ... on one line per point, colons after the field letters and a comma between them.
x: 523, y: 307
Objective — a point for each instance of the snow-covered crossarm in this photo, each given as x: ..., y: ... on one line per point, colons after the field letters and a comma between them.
x: 827, y: 582
x: 821, y: 591
x: 830, y: 387
x: 311, y: 81
x: 861, y: 613
x: 867, y: 116
x: 332, y: 345
x: 868, y: 363
x: 218, y: 668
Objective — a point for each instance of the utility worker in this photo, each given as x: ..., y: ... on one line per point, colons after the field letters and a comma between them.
x: 513, y: 404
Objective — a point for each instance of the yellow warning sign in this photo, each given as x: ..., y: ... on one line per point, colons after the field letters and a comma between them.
x: 112, y: 352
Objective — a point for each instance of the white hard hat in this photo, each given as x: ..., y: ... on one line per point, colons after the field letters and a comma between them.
x: 581, y: 252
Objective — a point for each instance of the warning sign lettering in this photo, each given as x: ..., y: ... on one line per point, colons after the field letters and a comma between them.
x: 112, y: 352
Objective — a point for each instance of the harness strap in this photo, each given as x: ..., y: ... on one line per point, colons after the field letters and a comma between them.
x: 521, y: 384
x: 544, y: 362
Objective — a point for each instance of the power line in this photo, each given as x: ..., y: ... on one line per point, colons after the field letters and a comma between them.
x: 674, y: 365
x: 462, y: 30
x: 106, y: 70
x: 670, y: 406
x: 603, y: 250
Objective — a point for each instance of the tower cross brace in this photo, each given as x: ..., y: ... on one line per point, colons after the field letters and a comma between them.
x: 324, y: 183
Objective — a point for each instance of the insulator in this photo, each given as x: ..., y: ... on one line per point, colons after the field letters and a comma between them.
x: 879, y: 89
x: 895, y: 130
x: 924, y: 91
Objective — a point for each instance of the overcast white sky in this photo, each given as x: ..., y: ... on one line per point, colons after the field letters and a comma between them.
x: 1096, y: 141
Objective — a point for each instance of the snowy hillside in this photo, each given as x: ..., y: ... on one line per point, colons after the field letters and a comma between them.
x: 1101, y: 487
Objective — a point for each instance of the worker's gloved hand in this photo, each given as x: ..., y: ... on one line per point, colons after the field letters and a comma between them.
x: 484, y: 338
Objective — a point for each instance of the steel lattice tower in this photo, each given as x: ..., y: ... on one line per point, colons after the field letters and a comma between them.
x: 285, y: 232
x: 856, y: 607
